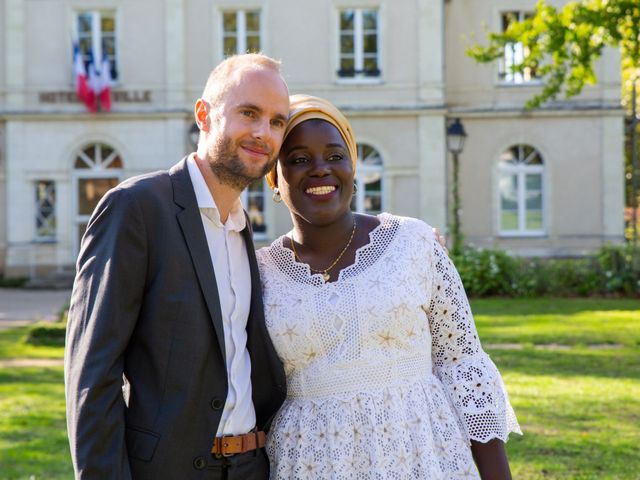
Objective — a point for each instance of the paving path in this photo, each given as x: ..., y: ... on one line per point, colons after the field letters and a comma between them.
x: 20, y: 306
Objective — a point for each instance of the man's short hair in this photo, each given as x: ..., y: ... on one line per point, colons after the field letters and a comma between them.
x: 220, y: 76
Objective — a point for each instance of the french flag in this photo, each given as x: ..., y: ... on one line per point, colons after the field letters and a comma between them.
x: 83, y: 89
x: 105, y: 82
x: 100, y: 82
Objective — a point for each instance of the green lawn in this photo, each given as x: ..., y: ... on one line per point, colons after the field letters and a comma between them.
x: 33, y: 438
x: 574, y: 384
x: 571, y: 366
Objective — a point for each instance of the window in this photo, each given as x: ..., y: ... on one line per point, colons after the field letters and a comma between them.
x: 368, y: 196
x: 241, y: 32
x: 253, y: 198
x: 359, y: 44
x: 45, y: 210
x: 96, y: 32
x: 521, y: 177
x: 97, y: 169
x: 515, y: 53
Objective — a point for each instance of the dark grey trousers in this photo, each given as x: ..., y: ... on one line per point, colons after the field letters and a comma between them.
x: 248, y: 466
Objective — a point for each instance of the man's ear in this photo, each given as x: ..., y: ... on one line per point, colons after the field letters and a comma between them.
x: 201, y: 114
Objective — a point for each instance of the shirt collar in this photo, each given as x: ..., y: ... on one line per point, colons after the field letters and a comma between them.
x: 236, y: 220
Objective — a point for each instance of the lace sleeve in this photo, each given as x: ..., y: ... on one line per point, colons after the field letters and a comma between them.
x: 470, y: 378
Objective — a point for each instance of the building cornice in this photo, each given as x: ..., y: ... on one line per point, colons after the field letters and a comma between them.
x: 392, y: 110
x: 61, y: 115
x: 556, y: 110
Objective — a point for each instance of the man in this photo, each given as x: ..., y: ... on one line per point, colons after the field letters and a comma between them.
x: 167, y: 295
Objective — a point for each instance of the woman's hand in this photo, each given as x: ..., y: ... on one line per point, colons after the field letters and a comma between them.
x: 442, y: 240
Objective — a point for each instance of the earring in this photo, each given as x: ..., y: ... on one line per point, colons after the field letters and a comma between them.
x: 355, y: 188
x: 276, y: 195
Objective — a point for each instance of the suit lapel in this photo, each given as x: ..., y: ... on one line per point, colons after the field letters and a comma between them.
x: 256, y: 288
x: 258, y: 343
x: 193, y: 231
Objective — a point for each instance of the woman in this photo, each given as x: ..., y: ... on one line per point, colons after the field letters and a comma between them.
x: 386, y: 378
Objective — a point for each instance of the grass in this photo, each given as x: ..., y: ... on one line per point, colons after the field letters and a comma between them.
x: 33, y: 435
x: 579, y: 407
x: 13, y: 344
x: 577, y: 401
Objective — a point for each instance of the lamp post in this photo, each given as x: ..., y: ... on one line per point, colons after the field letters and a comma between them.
x: 193, y: 135
x: 634, y: 165
x: 455, y: 143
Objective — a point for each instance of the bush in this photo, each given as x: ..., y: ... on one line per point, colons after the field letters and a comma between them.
x: 47, y: 333
x: 612, y: 270
x: 486, y: 272
x: 17, y: 282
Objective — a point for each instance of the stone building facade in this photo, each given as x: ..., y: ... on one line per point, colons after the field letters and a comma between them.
x: 548, y: 182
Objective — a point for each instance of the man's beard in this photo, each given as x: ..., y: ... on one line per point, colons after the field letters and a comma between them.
x: 229, y: 169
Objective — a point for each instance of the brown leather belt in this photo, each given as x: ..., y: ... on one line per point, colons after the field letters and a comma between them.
x: 227, y: 446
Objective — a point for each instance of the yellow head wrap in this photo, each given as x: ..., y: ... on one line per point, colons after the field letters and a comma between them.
x: 306, y: 107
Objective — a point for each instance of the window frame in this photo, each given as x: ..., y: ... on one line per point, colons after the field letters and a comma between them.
x: 38, y: 237
x: 521, y: 170
x: 502, y: 69
x: 241, y: 23
x: 96, y: 170
x: 96, y: 40
x: 362, y: 168
x: 358, y: 46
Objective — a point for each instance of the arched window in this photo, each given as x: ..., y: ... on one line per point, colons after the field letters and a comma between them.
x: 520, y: 183
x: 369, y: 173
x: 97, y: 169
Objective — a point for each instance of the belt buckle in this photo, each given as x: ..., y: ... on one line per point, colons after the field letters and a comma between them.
x: 222, y: 445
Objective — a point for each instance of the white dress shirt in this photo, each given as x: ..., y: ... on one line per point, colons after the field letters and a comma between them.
x: 233, y: 278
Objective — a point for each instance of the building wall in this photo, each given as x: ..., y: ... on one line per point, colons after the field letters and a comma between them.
x: 167, y: 48
x: 582, y: 178
x: 3, y: 199
x: 144, y: 145
x: 477, y: 86
x: 580, y: 139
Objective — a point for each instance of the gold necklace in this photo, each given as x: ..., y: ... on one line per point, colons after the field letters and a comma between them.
x: 325, y: 273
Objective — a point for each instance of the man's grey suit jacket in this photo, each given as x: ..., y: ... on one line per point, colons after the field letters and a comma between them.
x: 145, y: 304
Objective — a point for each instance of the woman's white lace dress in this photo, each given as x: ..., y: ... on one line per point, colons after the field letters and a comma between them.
x: 386, y: 377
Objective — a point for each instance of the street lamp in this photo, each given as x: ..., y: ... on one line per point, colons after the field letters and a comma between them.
x: 634, y: 166
x: 193, y: 135
x: 455, y: 143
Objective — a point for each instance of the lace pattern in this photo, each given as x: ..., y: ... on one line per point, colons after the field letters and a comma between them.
x: 389, y: 348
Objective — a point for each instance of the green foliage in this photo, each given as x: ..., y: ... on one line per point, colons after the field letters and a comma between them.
x: 486, y: 272
x: 612, y: 270
x: 47, y: 333
x: 564, y: 44
x: 17, y: 282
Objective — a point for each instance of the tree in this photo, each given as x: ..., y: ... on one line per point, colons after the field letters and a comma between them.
x: 562, y: 45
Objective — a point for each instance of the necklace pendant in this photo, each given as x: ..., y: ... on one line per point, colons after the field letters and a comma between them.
x: 326, y: 276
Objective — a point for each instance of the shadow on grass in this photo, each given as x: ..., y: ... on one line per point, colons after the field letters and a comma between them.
x: 542, y: 306
x: 39, y: 375
x: 573, y: 362
x: 584, y: 457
